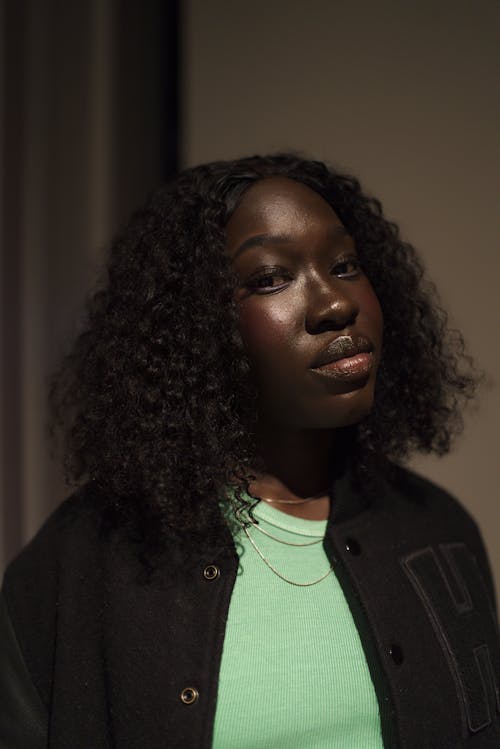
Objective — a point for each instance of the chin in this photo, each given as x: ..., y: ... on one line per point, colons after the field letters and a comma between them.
x: 332, y: 411
x: 345, y: 410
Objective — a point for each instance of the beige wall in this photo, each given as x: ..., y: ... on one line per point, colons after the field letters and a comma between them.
x: 405, y: 95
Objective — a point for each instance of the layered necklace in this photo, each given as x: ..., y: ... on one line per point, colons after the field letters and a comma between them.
x: 257, y: 527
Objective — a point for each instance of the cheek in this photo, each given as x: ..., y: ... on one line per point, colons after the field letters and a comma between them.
x: 372, y: 312
x: 263, y: 331
x: 269, y: 337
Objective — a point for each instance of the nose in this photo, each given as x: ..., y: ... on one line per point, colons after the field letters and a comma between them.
x: 332, y: 306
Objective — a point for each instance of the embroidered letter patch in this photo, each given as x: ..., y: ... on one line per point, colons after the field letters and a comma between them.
x: 454, y: 595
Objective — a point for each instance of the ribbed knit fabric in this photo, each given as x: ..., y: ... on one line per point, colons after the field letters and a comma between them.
x: 293, y: 671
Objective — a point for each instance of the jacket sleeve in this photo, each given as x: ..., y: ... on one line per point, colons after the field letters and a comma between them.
x: 23, y: 717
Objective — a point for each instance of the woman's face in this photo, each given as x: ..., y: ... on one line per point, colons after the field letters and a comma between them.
x: 303, y: 300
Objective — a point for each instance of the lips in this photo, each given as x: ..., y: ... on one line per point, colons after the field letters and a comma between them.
x: 343, y: 347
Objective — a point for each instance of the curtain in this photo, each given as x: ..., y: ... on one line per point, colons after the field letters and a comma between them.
x: 89, y: 126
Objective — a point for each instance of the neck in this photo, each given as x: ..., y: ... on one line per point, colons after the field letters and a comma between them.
x: 299, y: 464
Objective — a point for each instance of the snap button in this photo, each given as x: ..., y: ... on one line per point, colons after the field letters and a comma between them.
x: 353, y: 546
x: 211, y: 572
x: 396, y: 653
x: 189, y: 695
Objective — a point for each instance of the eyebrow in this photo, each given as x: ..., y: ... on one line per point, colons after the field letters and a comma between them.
x: 264, y: 240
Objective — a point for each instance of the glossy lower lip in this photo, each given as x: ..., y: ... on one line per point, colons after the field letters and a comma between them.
x: 350, y: 368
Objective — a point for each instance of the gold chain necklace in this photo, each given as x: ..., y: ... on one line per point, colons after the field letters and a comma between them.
x: 273, y: 569
x: 275, y: 538
x: 291, y: 501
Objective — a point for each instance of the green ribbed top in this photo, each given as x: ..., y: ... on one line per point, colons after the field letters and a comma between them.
x: 293, y: 671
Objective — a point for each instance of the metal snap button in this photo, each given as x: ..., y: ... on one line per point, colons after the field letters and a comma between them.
x: 211, y: 572
x: 353, y: 546
x: 189, y: 695
x: 396, y: 653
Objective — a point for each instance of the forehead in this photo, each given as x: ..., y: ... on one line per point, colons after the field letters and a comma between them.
x: 279, y: 205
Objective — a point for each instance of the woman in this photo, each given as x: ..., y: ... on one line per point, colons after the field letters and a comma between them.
x: 245, y: 563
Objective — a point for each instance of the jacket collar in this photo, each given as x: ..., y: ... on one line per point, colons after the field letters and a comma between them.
x: 347, y: 499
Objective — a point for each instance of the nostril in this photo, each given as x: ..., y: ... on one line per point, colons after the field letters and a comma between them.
x: 335, y: 316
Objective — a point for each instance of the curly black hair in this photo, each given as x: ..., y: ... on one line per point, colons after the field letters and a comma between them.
x: 156, y: 402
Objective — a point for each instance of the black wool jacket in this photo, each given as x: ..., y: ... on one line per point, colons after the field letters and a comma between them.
x: 97, y: 655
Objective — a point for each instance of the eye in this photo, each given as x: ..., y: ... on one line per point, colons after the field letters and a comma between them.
x: 348, y: 267
x: 270, y: 281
